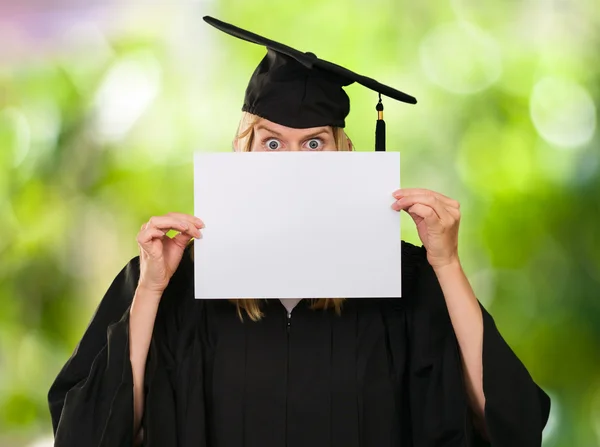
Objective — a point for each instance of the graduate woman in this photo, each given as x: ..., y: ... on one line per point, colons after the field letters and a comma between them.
x: 157, y: 367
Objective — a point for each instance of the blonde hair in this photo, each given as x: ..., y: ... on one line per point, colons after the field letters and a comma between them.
x: 252, y: 307
x: 244, y: 138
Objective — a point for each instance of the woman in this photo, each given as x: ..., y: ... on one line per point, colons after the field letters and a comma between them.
x: 160, y: 368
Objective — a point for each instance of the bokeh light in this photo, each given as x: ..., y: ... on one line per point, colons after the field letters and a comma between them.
x: 461, y: 58
x: 563, y: 112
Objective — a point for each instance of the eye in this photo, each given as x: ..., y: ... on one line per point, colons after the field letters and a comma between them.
x: 315, y: 143
x: 272, y: 144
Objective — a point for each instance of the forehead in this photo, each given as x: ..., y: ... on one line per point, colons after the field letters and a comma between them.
x: 264, y: 125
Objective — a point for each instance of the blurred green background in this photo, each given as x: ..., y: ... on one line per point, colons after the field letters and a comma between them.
x: 102, y: 104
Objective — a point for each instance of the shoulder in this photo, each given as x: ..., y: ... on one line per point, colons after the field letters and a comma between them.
x: 413, y: 253
x: 415, y: 266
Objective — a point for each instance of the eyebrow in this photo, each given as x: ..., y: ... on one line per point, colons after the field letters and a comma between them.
x: 317, y: 133
x: 263, y: 127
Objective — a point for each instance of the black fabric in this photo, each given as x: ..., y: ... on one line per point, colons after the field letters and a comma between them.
x: 297, y: 89
x: 385, y: 373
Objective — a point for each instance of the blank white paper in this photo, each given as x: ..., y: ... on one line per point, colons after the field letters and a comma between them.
x: 297, y: 225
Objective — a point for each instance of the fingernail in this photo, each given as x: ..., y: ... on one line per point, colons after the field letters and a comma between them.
x: 397, y: 195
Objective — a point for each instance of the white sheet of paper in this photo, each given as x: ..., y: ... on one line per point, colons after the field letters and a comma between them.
x: 297, y: 225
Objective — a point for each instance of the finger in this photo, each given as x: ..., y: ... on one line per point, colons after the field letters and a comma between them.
x: 426, y: 213
x: 169, y: 223
x: 454, y: 212
x: 427, y: 199
x: 431, y: 201
x: 405, y: 202
x: 421, y: 191
x: 166, y: 223
x: 182, y: 239
x: 412, y: 191
x: 196, y: 221
x: 149, y: 234
x: 190, y: 232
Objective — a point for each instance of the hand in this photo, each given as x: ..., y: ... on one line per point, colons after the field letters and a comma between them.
x: 160, y: 254
x: 437, y: 218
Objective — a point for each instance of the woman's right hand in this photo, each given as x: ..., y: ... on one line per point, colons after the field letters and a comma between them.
x: 160, y: 254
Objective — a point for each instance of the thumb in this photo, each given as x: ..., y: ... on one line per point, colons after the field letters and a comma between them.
x: 425, y: 213
x: 415, y: 217
x: 182, y: 239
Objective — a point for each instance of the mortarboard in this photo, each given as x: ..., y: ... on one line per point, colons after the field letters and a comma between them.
x: 299, y: 90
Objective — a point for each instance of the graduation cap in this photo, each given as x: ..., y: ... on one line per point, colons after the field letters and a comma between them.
x: 299, y: 90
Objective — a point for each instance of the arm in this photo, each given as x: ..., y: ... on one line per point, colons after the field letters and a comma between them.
x: 92, y: 399
x: 467, y: 322
x: 509, y: 408
x: 159, y: 258
x: 141, y: 324
x: 437, y: 218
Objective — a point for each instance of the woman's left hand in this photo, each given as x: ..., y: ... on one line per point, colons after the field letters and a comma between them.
x: 437, y: 218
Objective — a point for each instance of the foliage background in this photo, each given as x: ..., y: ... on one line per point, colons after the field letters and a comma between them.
x: 103, y: 103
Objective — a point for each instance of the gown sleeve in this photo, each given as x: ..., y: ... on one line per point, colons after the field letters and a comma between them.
x: 516, y: 408
x: 91, y: 400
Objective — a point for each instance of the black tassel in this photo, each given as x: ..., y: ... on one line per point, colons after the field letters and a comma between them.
x: 380, y: 128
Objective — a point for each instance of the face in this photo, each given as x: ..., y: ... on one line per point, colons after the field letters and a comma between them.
x: 269, y: 136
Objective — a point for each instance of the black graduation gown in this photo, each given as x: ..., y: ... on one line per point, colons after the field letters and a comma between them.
x: 385, y: 373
